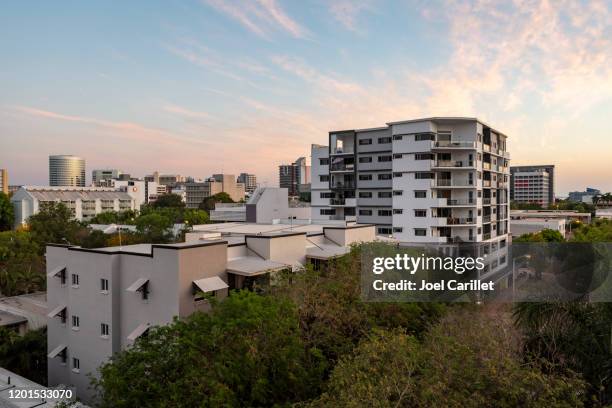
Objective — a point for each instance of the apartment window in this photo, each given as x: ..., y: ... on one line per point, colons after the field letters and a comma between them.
x: 365, y: 177
x: 423, y: 156
x: 367, y: 159
x: 75, y: 279
x: 104, y: 285
x: 420, y: 213
x: 397, y: 156
x: 75, y: 322
x: 384, y: 158
x: 365, y: 141
x: 326, y: 195
x: 384, y: 230
x: 397, y: 192
x: 398, y: 229
x: 324, y: 162
x: 327, y: 211
x: 398, y: 211
x: 365, y: 194
x: 420, y: 232
x: 104, y: 330
x: 384, y: 213
x: 423, y: 136
x: 365, y: 212
x: 385, y: 176
x: 502, y: 243
x: 420, y: 194
x: 324, y: 178
x: 423, y: 175
x: 397, y: 137
x: 383, y: 140
x: 384, y: 194
x: 396, y: 175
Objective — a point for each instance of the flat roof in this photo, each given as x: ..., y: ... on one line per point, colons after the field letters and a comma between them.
x: 253, y: 266
x: 31, y: 308
x: 326, y: 251
x: 246, y: 228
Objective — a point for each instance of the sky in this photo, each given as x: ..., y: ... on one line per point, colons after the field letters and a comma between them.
x: 201, y: 87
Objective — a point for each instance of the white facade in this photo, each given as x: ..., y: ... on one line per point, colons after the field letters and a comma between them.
x: 84, y: 202
x: 534, y: 225
x: 99, y: 176
x: 435, y: 180
x: 143, y: 192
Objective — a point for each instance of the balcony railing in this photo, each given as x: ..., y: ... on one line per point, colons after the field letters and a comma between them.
x: 452, y: 163
x: 460, y: 202
x: 450, y: 183
x: 486, y: 201
x: 342, y: 167
x: 342, y: 150
x: 450, y: 143
x: 344, y: 184
x: 486, y: 235
x: 460, y: 221
x: 486, y: 183
x: 486, y: 218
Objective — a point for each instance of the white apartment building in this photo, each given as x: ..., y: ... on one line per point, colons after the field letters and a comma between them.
x: 143, y: 192
x: 433, y: 180
x: 100, y: 176
x: 85, y: 202
x: 101, y: 300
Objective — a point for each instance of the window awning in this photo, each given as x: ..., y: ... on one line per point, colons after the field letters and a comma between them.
x: 210, y: 284
x: 56, y: 271
x: 136, y: 286
x: 57, y: 311
x: 57, y: 351
x: 139, y: 331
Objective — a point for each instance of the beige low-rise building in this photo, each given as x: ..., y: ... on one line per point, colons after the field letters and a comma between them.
x: 102, y: 300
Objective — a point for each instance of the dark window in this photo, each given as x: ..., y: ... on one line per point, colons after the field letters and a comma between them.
x: 385, y: 176
x: 420, y: 232
x: 423, y: 136
x: 420, y: 194
x: 397, y: 156
x: 327, y: 195
x: 324, y: 178
x: 367, y: 159
x: 324, y: 162
x: 104, y: 285
x: 384, y: 213
x: 327, y: 211
x: 382, y: 140
x: 365, y: 177
x: 104, y: 329
x: 384, y: 230
x: 423, y: 156
x: 397, y: 175
x: 365, y: 141
x: 397, y: 137
x: 384, y: 158
x: 365, y: 194
x: 398, y: 229
x: 384, y: 194
x: 365, y: 212
x: 423, y: 175
x: 75, y: 279
x: 398, y: 211
x: 420, y: 213
x: 398, y: 192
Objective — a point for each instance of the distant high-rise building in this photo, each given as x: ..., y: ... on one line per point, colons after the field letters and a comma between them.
x: 249, y: 181
x: 165, y: 179
x: 66, y: 170
x: 99, y: 176
x: 584, y: 196
x: 533, y: 184
x: 291, y: 176
x: 196, y: 192
x: 4, y: 186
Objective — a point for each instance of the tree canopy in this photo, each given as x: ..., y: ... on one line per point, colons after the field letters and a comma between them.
x: 6, y: 213
x: 208, y: 203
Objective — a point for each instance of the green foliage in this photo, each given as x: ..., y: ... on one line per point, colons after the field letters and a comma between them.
x: 113, y: 217
x: 599, y: 230
x: 154, y: 228
x: 567, y: 205
x: 169, y: 201
x: 195, y: 217
x: 21, y: 264
x: 246, y: 352
x: 546, y: 235
x: 25, y: 355
x: 7, y: 219
x: 571, y: 336
x: 469, y: 359
x: 208, y: 204
x: 53, y: 224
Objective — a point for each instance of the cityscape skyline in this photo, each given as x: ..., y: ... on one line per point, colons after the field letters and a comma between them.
x: 210, y: 87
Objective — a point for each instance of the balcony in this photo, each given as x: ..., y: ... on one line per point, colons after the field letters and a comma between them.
x: 451, y: 183
x: 455, y: 202
x: 343, y: 185
x: 449, y: 144
x: 340, y: 167
x: 343, y: 202
x: 460, y: 221
x: 458, y: 239
x: 486, y: 235
x: 486, y: 219
x: 486, y: 183
x: 343, y: 150
x: 453, y: 164
x: 486, y: 166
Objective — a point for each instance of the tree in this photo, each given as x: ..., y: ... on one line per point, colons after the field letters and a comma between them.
x: 113, y: 217
x: 21, y: 265
x: 25, y: 355
x: 7, y: 219
x: 195, y: 217
x: 246, y: 352
x: 154, y: 228
x: 169, y: 201
x: 208, y: 203
x: 53, y: 224
x: 546, y: 235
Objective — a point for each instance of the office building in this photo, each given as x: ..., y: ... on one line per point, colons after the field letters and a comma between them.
x: 249, y: 181
x: 4, y: 185
x: 584, y: 196
x: 434, y: 180
x: 197, y: 192
x: 143, y: 192
x: 533, y: 184
x: 165, y: 179
x: 100, y: 177
x: 102, y: 300
x: 84, y: 202
x: 66, y: 170
x: 293, y: 176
